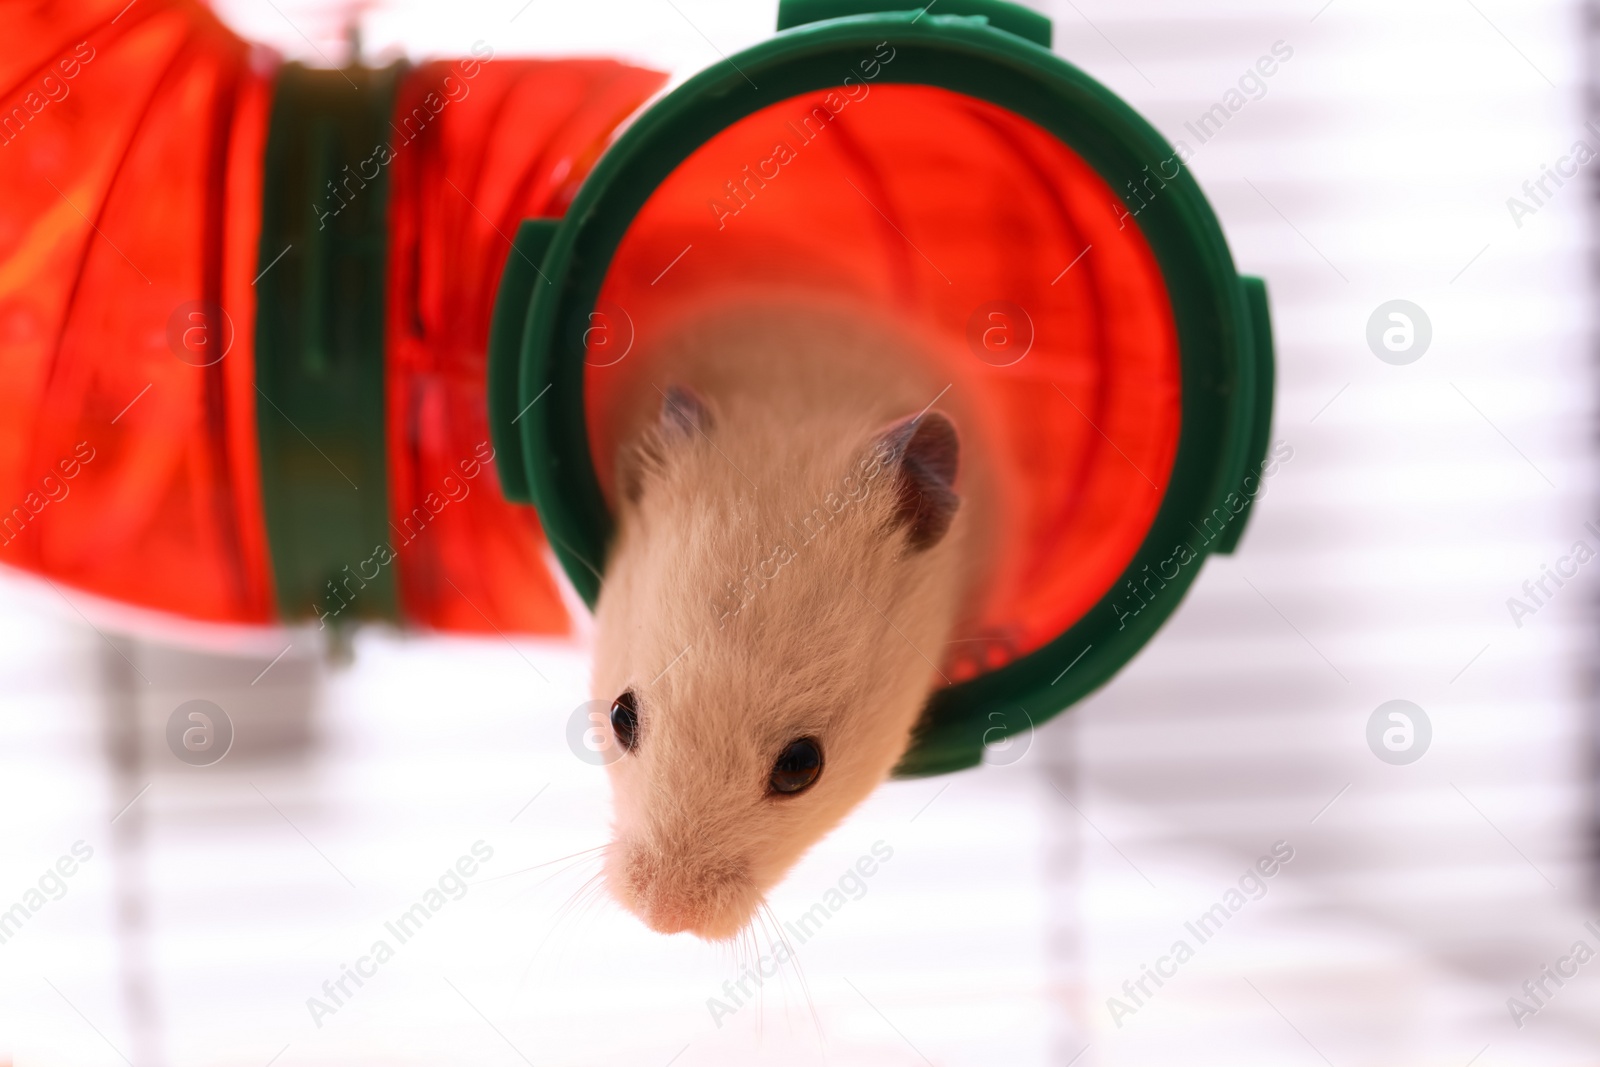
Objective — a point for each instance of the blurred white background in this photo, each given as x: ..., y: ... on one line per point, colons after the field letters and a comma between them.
x: 1020, y: 897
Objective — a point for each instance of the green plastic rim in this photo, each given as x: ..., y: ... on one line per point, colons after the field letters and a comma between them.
x: 1225, y: 352
x: 320, y: 343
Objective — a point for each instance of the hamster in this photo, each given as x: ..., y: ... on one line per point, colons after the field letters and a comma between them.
x: 791, y: 558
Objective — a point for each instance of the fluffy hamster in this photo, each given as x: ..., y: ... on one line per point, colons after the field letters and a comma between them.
x: 790, y: 560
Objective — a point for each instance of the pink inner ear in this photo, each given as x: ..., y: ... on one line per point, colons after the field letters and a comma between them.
x: 929, y: 453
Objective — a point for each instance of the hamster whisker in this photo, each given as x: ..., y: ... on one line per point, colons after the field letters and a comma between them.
x: 755, y: 953
x: 594, y: 881
x: 547, y: 863
x: 800, y: 974
x: 571, y: 864
x: 577, y: 919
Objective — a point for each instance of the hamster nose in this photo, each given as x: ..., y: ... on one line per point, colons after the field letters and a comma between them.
x: 667, y: 917
x: 672, y: 894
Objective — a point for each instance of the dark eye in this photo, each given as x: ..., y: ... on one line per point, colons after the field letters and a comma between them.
x: 625, y: 720
x: 798, y: 766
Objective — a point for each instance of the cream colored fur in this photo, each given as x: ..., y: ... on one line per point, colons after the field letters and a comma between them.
x: 839, y: 643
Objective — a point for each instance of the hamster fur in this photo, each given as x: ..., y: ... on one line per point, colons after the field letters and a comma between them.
x: 789, y: 563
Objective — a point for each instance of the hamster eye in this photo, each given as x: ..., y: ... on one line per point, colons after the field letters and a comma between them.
x: 625, y: 720
x: 798, y: 766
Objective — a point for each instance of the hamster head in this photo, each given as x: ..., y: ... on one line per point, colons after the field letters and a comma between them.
x: 767, y: 632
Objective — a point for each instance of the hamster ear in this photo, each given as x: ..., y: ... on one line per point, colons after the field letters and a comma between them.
x: 923, y: 452
x: 682, y: 416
